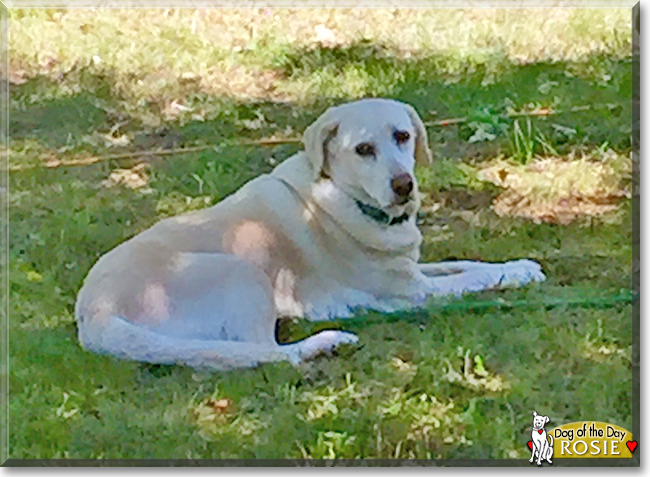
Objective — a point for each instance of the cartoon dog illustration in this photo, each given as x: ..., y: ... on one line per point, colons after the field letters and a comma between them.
x: 541, y: 445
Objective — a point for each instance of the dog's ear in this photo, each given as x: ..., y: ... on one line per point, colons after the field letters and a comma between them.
x: 547, y: 419
x: 315, y: 140
x: 422, y: 151
x: 534, y: 413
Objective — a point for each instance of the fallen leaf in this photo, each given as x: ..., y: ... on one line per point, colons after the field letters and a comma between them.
x: 221, y: 406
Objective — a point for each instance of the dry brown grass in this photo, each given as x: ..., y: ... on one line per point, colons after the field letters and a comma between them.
x: 560, y: 190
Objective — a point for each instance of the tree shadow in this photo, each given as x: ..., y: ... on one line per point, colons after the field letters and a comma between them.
x: 592, y: 95
x: 439, y: 86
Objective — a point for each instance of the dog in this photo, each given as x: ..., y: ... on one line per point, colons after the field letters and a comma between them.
x: 541, y: 446
x: 329, y: 231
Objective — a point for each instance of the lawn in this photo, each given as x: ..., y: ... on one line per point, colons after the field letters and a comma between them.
x: 536, y: 163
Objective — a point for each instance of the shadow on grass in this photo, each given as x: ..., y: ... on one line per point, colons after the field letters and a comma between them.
x: 480, y: 87
x: 486, y: 84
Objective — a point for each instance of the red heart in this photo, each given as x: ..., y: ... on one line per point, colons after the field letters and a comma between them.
x: 631, y: 445
x: 530, y: 445
x: 540, y: 431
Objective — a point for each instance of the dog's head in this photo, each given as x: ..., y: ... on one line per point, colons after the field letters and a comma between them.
x: 369, y: 149
x: 539, y: 421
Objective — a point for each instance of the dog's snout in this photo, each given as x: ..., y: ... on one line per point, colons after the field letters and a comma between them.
x: 402, y: 185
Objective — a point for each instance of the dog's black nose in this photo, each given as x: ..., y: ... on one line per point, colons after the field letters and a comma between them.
x: 402, y: 185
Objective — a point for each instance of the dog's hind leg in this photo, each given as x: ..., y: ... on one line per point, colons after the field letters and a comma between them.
x: 126, y: 340
x: 214, y: 311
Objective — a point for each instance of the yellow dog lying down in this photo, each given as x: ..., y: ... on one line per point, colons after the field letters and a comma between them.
x: 330, y: 230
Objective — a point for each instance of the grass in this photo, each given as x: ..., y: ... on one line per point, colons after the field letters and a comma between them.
x: 448, y: 383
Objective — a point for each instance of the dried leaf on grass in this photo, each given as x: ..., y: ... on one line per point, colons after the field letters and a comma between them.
x: 220, y: 405
x: 133, y: 178
x: 216, y: 417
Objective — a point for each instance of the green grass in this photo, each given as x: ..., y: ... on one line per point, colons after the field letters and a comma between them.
x: 450, y: 383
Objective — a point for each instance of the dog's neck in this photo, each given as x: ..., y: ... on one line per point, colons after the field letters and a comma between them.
x: 379, y: 215
x: 324, y: 197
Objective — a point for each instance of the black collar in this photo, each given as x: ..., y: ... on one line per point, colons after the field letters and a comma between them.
x: 379, y: 215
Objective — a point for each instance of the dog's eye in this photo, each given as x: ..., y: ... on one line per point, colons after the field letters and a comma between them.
x: 401, y: 136
x: 365, y: 149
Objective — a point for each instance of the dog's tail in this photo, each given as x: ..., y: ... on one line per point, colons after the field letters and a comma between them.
x: 123, y: 339
x: 550, y: 437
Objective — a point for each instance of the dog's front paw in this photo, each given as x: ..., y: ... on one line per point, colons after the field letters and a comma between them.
x: 517, y: 273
